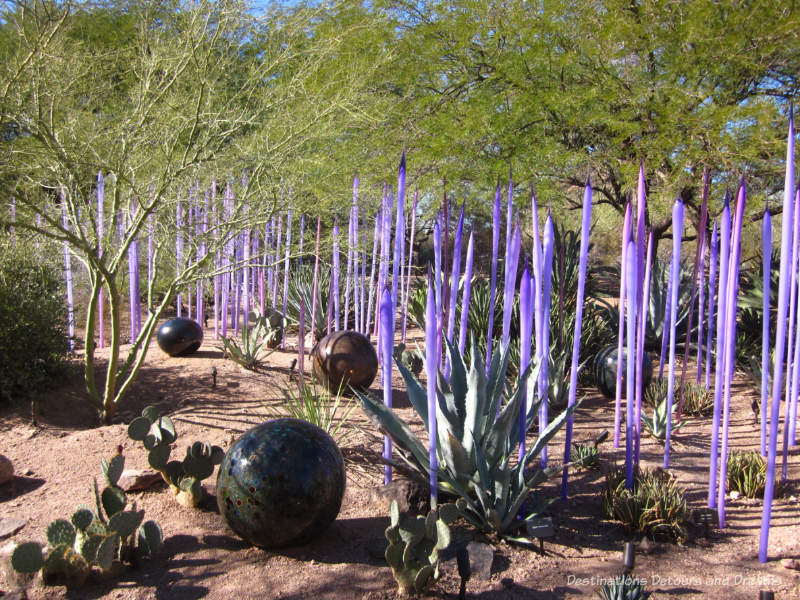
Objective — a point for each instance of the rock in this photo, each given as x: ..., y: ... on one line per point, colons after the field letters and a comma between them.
x: 27, y: 472
x: 411, y: 497
x: 132, y: 479
x: 735, y: 495
x: 480, y: 560
x: 6, y: 470
x: 790, y: 563
x: 16, y: 595
x: 9, y: 527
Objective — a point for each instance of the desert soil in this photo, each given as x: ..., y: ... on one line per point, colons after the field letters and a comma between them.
x: 202, y: 558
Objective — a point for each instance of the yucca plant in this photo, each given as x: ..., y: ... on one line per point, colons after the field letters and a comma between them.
x: 697, y: 400
x: 654, y: 507
x: 255, y: 339
x: 328, y: 411
x: 476, y: 445
x: 747, y: 473
x: 623, y: 587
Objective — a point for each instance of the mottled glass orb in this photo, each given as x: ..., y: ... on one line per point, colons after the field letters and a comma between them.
x: 281, y: 483
x: 605, y: 370
x: 342, y: 359
x: 180, y: 336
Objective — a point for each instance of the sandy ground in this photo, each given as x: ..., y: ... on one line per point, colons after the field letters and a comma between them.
x: 202, y: 558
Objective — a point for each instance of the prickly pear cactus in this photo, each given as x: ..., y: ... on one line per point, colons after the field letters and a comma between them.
x: 414, y: 546
x: 157, y: 433
x: 91, y: 540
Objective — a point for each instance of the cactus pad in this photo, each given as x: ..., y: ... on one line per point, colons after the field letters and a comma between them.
x: 112, y: 470
x: 27, y: 558
x: 125, y: 523
x: 60, y: 532
x: 82, y: 518
x: 150, y: 538
x: 107, y: 551
x: 138, y: 429
x: 114, y: 500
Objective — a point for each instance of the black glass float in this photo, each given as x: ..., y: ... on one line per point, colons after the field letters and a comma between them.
x: 342, y: 359
x: 180, y: 336
x: 281, y: 483
x: 605, y: 370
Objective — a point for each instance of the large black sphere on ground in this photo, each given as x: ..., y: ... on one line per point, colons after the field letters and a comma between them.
x: 344, y: 358
x: 180, y: 336
x: 281, y: 483
x: 605, y: 370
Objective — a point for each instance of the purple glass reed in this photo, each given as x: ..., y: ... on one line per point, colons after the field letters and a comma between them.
x: 637, y: 417
x: 276, y: 261
x: 526, y: 331
x: 547, y: 288
x: 675, y: 266
x: 386, y: 339
x: 101, y: 338
x: 631, y: 276
x: 399, y: 238
x: 536, y: 282
x: 286, y: 272
x: 431, y: 370
x: 766, y: 252
x: 626, y: 236
x: 701, y: 300
x: 790, y: 364
x: 730, y: 344
x: 335, y: 277
x: 462, y: 328
x: 455, y: 274
x: 301, y: 341
x: 788, y: 197
x: 375, y: 239
x: 722, y: 286
x: 512, y: 260
x: 493, y: 275
x: 576, y: 341
x: 712, y: 281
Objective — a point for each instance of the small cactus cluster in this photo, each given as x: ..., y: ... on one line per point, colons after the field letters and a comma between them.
x: 92, y: 540
x: 623, y: 587
x: 414, y: 546
x: 184, y: 477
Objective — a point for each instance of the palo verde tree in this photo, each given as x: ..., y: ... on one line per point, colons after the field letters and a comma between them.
x: 178, y: 95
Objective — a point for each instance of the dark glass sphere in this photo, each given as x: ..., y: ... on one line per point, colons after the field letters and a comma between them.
x: 180, y: 336
x: 344, y: 358
x: 281, y: 483
x: 605, y: 370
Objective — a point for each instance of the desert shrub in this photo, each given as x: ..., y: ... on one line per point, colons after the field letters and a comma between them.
x: 33, y: 322
x: 747, y: 473
x: 654, y: 507
x: 586, y: 456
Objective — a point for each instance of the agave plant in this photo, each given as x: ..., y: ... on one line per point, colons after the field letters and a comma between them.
x: 475, y: 443
x: 263, y: 334
x: 657, y: 424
